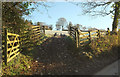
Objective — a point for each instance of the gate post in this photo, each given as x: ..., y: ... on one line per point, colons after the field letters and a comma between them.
x: 89, y: 36
x: 98, y: 33
x: 6, y: 46
x: 44, y: 30
x: 70, y: 30
x: 77, y: 37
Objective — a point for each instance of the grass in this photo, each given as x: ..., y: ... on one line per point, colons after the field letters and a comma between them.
x: 107, y: 45
x: 98, y: 54
x: 99, y: 48
x: 18, y: 66
x: 22, y: 63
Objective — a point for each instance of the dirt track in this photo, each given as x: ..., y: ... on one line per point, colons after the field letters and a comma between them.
x: 54, y: 58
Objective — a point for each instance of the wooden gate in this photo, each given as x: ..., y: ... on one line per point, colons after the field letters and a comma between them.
x: 11, y: 45
x: 84, y: 38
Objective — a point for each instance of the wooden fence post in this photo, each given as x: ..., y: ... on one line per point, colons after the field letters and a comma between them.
x: 33, y: 36
x: 98, y: 33
x: 77, y: 38
x: 44, y: 30
x: 70, y: 30
x: 29, y: 36
x: 89, y: 36
x: 108, y: 31
x: 6, y: 46
x: 75, y: 35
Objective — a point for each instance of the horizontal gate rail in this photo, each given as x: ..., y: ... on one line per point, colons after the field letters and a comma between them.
x: 11, y: 46
x: 84, y: 37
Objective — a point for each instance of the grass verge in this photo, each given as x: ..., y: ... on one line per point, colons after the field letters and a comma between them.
x: 22, y: 64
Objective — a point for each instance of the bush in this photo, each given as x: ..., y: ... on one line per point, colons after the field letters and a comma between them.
x: 104, y: 44
x: 20, y: 65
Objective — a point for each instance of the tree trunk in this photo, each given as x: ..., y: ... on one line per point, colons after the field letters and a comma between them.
x: 62, y: 28
x: 116, y: 16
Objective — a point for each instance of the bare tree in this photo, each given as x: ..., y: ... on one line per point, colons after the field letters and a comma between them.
x: 61, y: 23
x: 69, y: 25
x: 38, y: 23
x: 79, y: 26
x: 50, y: 27
x: 84, y: 28
x: 31, y: 22
x: 101, y: 9
x: 58, y: 27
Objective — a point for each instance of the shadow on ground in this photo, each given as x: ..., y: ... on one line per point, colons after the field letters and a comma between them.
x: 59, y: 56
x: 54, y: 57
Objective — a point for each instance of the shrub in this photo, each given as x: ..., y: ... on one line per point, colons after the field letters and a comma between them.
x: 104, y: 44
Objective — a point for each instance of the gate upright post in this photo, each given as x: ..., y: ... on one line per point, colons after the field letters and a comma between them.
x: 76, y: 37
x: 44, y: 30
x: 6, y: 46
x: 89, y: 36
x: 98, y: 33
x: 70, y: 30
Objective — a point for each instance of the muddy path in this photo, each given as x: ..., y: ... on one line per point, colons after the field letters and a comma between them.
x: 53, y: 57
